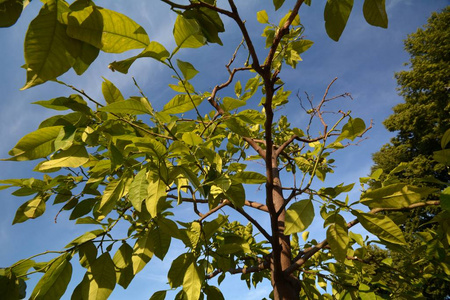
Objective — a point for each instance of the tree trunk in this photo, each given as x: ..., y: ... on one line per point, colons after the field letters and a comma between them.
x: 284, y: 287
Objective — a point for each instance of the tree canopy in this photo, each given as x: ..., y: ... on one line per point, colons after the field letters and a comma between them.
x: 421, y: 123
x: 118, y: 161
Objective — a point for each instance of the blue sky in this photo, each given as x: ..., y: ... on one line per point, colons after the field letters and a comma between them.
x: 364, y: 60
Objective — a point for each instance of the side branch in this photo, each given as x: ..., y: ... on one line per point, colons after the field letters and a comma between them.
x: 245, y: 270
x: 306, y: 254
x: 281, y: 32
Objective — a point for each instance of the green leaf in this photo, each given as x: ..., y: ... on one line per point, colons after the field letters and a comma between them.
x: 110, y: 92
x: 182, y: 104
x: 375, y: 13
x: 445, y: 199
x: 73, y: 157
x: 262, y: 17
x: 381, y: 226
x: 48, y: 50
x: 178, y: 269
x: 156, y: 193
x: 192, y: 282
x: 209, y: 22
x: 194, y: 231
x: 30, y: 209
x: 73, y: 102
x: 442, y: 156
x: 160, y: 242
x: 87, y: 236
x: 154, y: 50
x: 55, y: 280
x: 238, y: 127
x: 9, y: 285
x: 299, y: 216
x: 159, y: 295
x: 187, y: 33
x: 230, y: 104
x: 213, y: 293
x: 106, y: 30
x: 336, y: 15
x: 337, y: 237
x: 113, y: 192
x: 123, y: 256
x: 102, y: 278
x: 138, y: 189
x: 192, y: 138
x: 10, y: 11
x: 395, y: 196
x: 445, y: 139
x: 87, y: 253
x: 352, y: 129
x: 187, y: 69
x: 36, y: 144
x: 142, y: 251
x: 236, y: 194
x: 278, y: 3
x: 248, y: 177
x: 133, y: 106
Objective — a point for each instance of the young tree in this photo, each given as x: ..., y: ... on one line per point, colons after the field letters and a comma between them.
x: 108, y: 166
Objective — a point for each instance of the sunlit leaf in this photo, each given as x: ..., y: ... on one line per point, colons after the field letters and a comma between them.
x: 381, y: 226
x: 395, y: 196
x: 187, y: 33
x: 73, y: 157
x: 48, y: 49
x: 106, y: 30
x: 30, y: 209
x: 192, y: 282
x: 138, y: 189
x: 299, y: 216
x: 154, y: 50
x: 110, y: 92
x: 55, y: 280
x: 142, y: 251
x: 248, y: 177
x: 133, y: 106
x: 337, y: 238
x: 187, y: 69
x: 102, y: 278
x: 182, y: 103
x: 36, y: 144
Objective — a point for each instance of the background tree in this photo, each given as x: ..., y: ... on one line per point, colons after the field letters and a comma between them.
x: 420, y: 123
x: 123, y: 161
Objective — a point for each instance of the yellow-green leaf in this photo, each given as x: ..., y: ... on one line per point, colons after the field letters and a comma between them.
x: 30, y: 209
x: 337, y: 237
x: 395, y: 196
x: 48, y: 49
x: 138, y: 189
x: 192, y: 282
x: 381, y: 226
x: 187, y: 33
x: 299, y: 216
x: 154, y: 50
x: 55, y: 280
x: 36, y: 144
x: 73, y: 157
x: 142, y: 252
x: 110, y: 92
x: 113, y: 192
x: 106, y: 30
x: 182, y: 104
x: 133, y: 106
x: 102, y: 279
x: 262, y: 17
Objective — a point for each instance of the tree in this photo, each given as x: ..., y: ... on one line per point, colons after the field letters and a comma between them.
x: 421, y: 122
x: 125, y: 162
